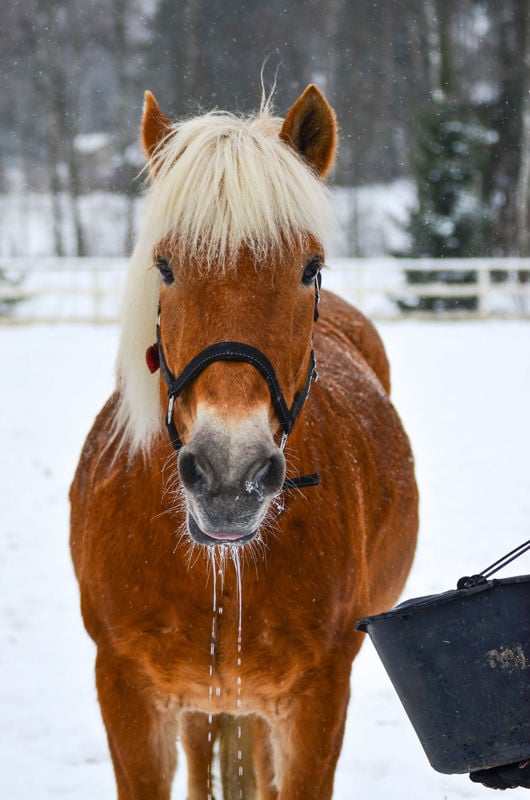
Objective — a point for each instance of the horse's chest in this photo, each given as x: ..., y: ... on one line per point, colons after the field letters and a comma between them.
x: 213, y: 659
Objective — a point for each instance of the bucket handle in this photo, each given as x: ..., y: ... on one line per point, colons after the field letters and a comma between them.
x: 468, y: 581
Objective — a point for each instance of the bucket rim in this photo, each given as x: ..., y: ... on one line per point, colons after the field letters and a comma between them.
x: 417, y: 604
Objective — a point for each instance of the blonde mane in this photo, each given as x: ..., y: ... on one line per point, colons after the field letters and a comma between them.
x: 221, y: 182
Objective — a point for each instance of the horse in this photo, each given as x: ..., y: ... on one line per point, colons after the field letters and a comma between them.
x: 231, y: 515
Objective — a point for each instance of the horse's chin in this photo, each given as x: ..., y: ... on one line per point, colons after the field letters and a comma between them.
x: 212, y: 540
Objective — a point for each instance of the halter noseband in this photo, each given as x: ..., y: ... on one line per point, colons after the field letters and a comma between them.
x: 233, y: 351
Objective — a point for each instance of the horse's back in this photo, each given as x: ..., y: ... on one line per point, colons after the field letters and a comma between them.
x: 362, y: 432
x: 343, y: 323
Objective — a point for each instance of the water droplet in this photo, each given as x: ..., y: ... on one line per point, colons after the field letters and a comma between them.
x: 252, y: 487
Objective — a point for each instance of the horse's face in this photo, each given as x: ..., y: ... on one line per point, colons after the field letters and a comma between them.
x: 232, y: 465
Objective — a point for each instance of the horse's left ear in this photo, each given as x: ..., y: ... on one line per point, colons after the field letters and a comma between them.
x: 311, y: 128
x: 155, y: 125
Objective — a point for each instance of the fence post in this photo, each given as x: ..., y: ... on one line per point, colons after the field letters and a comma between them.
x: 96, y: 289
x: 359, y: 278
x: 484, y: 280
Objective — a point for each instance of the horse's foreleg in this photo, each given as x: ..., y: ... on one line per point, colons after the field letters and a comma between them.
x: 198, y: 734
x: 307, y: 741
x: 236, y: 757
x: 140, y: 729
x: 264, y: 761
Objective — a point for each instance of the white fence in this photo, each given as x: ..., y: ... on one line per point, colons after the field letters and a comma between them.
x: 466, y: 287
x: 89, y: 289
x: 62, y: 289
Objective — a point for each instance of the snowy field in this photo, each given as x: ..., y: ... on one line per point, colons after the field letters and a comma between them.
x: 463, y: 391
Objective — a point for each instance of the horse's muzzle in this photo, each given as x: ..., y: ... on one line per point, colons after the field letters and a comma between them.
x: 229, y: 482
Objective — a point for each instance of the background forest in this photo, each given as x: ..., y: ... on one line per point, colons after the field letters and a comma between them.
x: 437, y: 91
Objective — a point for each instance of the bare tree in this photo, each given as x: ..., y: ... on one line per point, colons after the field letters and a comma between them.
x: 523, y: 182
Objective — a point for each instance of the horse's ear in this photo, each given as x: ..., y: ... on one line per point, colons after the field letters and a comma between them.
x: 311, y: 128
x: 155, y: 125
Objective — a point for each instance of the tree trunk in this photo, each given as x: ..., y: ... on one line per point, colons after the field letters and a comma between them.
x: 191, y: 83
x: 523, y: 182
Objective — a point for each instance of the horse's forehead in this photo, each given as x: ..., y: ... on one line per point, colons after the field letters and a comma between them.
x: 254, y: 260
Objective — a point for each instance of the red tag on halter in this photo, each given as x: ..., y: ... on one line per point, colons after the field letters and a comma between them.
x: 152, y: 358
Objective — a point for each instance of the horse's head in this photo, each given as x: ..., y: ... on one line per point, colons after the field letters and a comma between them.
x: 236, y: 214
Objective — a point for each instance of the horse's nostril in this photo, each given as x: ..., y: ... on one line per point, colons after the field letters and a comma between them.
x: 218, y: 475
x: 269, y: 478
x: 191, y: 473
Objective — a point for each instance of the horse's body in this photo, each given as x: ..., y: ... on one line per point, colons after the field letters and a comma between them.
x: 183, y: 647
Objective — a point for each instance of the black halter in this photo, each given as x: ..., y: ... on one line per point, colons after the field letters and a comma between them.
x: 233, y: 351
x: 239, y: 351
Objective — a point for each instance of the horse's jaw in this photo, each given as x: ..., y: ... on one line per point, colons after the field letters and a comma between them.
x: 230, y: 472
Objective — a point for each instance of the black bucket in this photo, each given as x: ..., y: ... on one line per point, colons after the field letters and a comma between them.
x: 460, y: 663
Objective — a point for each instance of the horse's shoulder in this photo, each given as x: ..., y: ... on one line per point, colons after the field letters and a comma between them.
x: 340, y: 320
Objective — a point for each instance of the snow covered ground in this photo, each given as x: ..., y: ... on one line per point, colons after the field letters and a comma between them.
x: 463, y: 391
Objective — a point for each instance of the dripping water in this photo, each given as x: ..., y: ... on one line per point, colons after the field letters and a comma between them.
x: 213, y: 644
x: 218, y: 572
x: 237, y: 567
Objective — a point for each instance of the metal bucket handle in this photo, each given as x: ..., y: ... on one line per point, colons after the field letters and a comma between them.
x: 468, y: 581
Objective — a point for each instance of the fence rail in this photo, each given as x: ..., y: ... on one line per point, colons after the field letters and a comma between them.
x: 52, y: 290
x: 90, y: 289
x: 475, y: 288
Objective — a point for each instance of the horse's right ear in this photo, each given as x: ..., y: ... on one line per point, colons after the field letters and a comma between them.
x: 155, y: 125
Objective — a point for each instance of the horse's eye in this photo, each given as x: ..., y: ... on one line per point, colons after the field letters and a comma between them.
x: 311, y: 270
x: 163, y: 265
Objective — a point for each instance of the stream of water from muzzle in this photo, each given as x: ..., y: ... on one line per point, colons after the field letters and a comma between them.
x: 237, y: 567
x: 218, y: 571
x: 213, y: 642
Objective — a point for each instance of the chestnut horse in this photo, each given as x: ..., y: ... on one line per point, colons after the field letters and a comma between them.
x: 222, y: 567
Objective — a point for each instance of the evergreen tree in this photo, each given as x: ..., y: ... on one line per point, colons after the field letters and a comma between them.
x: 452, y: 220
